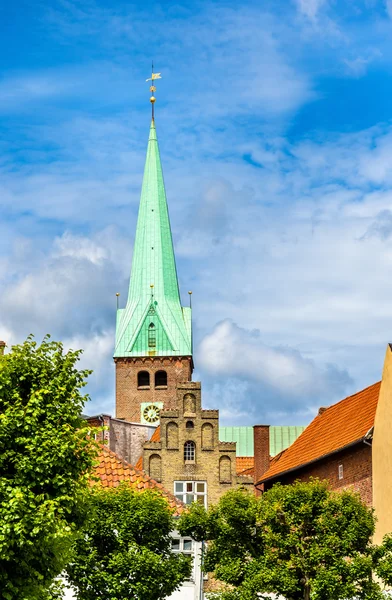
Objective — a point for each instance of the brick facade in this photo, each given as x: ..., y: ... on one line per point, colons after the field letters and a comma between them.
x: 129, y: 396
x: 356, y: 463
x: 215, y: 461
x: 261, y: 440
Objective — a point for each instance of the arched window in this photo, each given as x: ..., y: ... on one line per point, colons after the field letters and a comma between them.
x: 189, y: 425
x: 152, y: 336
x: 155, y: 467
x: 225, y: 469
x: 172, y: 435
x: 160, y: 378
x: 189, y: 403
x: 207, y: 436
x: 189, y: 451
x: 143, y: 379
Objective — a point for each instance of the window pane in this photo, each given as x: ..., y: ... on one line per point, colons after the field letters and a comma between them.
x: 200, y: 487
x: 175, y: 544
x: 187, y: 545
x: 179, y: 486
x: 180, y: 497
x: 189, y: 486
x: 200, y: 499
x: 189, y: 499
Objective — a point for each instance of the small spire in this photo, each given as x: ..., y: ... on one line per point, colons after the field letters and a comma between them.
x: 153, y: 77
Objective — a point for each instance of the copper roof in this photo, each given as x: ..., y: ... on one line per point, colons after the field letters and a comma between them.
x: 112, y: 470
x: 337, y: 427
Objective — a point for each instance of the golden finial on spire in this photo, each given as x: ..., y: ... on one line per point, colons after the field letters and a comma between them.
x: 153, y: 77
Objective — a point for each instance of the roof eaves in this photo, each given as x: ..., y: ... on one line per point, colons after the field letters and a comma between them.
x: 302, y: 465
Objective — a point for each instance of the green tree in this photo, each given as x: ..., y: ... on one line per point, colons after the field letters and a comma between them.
x: 301, y: 541
x: 45, y: 460
x: 125, y: 551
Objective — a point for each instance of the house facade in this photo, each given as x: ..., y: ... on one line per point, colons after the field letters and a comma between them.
x: 349, y: 444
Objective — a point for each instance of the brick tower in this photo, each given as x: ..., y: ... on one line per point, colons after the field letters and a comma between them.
x: 153, y: 351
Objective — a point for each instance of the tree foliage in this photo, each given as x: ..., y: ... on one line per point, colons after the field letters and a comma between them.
x: 125, y: 551
x: 45, y: 459
x: 301, y: 541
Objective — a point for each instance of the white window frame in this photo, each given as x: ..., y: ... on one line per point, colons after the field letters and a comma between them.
x: 187, y: 552
x: 189, y: 488
x: 189, y: 451
x: 340, y: 472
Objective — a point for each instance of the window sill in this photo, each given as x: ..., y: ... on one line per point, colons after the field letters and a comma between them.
x: 190, y: 462
x: 143, y: 387
x: 161, y: 387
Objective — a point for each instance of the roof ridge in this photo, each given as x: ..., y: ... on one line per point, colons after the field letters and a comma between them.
x: 341, y: 425
x: 346, y: 398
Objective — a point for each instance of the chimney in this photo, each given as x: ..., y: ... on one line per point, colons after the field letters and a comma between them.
x: 261, y: 438
x: 2, y: 347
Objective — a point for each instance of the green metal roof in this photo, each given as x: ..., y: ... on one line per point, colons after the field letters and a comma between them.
x: 153, y: 321
x: 281, y: 437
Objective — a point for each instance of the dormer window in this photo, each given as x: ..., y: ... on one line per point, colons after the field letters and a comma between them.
x: 152, y: 336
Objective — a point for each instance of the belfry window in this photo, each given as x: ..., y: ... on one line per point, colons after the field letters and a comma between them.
x: 160, y: 379
x: 189, y: 451
x: 143, y: 379
x: 152, y: 336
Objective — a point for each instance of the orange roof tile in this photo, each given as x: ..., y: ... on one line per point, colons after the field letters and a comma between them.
x: 156, y: 436
x: 245, y: 465
x: 139, y: 464
x: 340, y: 425
x: 112, y: 470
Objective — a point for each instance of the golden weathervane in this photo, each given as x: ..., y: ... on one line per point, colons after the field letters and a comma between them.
x: 153, y: 77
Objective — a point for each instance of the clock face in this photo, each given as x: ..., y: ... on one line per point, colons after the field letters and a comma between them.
x: 151, y: 413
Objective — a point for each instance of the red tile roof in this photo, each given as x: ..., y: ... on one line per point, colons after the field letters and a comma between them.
x: 338, y: 426
x: 112, y: 470
x: 245, y: 465
x: 156, y: 436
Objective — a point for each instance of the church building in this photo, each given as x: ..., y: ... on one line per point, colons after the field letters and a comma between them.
x: 154, y: 362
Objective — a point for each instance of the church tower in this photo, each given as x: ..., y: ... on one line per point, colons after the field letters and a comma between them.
x: 153, y: 351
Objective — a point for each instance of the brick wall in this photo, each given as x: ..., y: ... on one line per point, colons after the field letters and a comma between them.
x: 357, y: 471
x: 261, y: 439
x: 129, y: 397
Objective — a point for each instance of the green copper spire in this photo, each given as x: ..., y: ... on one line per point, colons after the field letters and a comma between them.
x: 153, y: 323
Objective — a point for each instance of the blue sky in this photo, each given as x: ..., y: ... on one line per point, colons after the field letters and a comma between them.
x: 274, y: 122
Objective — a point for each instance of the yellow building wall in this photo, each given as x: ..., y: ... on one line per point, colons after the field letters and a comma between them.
x: 382, y: 453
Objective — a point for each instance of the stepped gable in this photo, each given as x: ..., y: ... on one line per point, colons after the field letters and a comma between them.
x: 335, y: 428
x: 244, y: 464
x: 112, y: 471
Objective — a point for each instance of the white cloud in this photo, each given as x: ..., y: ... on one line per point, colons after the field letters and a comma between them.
x: 79, y: 248
x: 231, y: 351
x: 310, y: 8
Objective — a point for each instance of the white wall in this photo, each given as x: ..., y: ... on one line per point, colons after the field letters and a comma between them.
x: 190, y: 590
